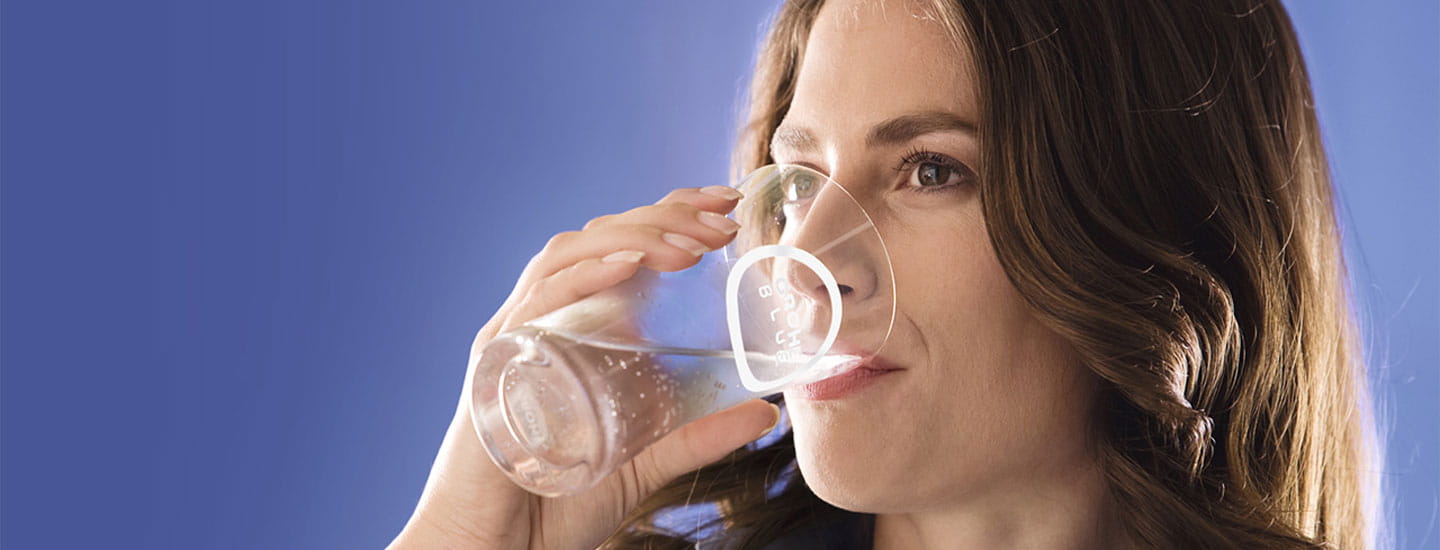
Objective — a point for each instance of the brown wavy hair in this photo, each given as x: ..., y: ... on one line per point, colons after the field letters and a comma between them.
x: 1155, y: 187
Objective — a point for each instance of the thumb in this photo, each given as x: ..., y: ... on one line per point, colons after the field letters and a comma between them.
x: 704, y: 441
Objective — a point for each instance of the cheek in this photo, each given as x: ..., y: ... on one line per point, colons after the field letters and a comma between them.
x: 1004, y: 386
x: 992, y: 395
x: 956, y: 299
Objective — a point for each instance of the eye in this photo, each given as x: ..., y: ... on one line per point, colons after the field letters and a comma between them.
x: 929, y: 174
x: 800, y: 186
x: 797, y: 188
x: 934, y: 172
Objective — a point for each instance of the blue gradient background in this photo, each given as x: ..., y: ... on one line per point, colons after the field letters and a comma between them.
x: 246, y: 244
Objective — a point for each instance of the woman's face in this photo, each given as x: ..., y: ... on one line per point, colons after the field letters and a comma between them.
x: 988, y: 398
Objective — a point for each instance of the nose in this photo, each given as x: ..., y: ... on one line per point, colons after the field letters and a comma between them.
x: 834, y: 227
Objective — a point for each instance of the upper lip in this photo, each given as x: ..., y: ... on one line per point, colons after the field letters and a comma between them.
x: 868, y: 359
x: 879, y: 363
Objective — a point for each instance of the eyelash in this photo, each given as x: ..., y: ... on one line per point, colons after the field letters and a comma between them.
x: 918, y: 155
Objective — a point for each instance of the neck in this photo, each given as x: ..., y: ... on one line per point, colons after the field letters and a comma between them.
x: 1070, y: 511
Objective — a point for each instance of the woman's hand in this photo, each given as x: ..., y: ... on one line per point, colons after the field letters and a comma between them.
x: 468, y: 502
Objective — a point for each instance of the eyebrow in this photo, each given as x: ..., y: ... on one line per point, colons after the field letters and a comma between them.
x: 891, y: 132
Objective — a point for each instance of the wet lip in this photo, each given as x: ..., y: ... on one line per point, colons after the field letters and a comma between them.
x: 852, y: 378
x: 864, y: 361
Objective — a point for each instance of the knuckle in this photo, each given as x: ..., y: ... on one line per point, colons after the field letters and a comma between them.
x: 536, y: 260
x: 656, y: 467
x: 537, y: 290
x: 599, y: 221
x: 647, y: 471
x: 681, y: 195
x: 651, y: 231
x: 677, y: 209
x: 478, y: 343
x: 560, y: 240
x: 635, y: 488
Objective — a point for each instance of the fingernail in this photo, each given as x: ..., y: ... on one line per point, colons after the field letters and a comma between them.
x: 719, y: 223
x: 774, y: 421
x: 724, y: 192
x: 628, y: 256
x: 687, y: 243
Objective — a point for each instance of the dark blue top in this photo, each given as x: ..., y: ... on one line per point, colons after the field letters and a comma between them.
x: 845, y: 531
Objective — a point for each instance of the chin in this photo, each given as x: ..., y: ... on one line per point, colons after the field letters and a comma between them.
x: 851, y: 473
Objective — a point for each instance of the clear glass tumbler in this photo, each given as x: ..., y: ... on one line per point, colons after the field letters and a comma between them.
x: 804, y: 291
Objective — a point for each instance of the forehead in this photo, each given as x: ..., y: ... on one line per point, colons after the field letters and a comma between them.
x: 868, y: 61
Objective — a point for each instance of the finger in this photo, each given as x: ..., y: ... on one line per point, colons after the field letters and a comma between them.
x: 704, y: 441
x: 715, y: 198
x: 711, y: 228
x: 665, y: 250
x: 681, y: 212
x: 573, y: 284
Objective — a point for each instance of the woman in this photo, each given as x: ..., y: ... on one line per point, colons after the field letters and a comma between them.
x: 1121, y: 311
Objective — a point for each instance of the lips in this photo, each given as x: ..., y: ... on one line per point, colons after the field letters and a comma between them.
x: 851, y: 379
